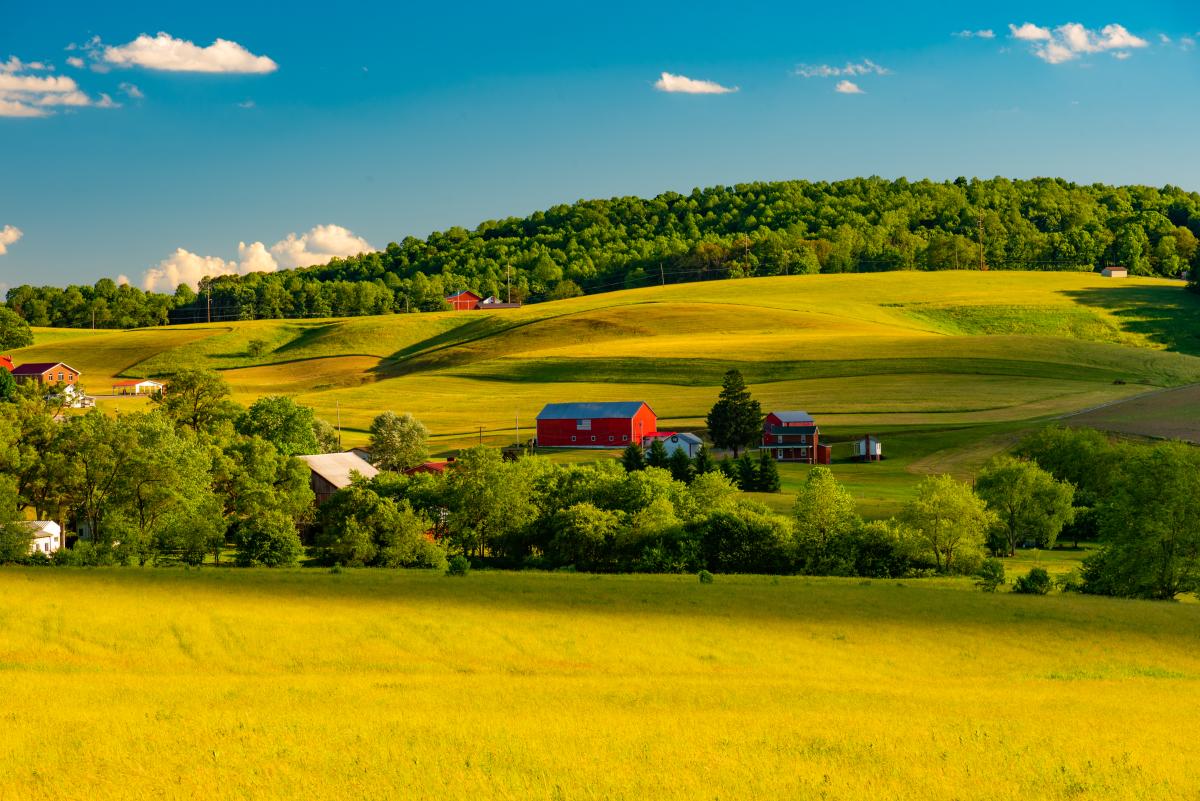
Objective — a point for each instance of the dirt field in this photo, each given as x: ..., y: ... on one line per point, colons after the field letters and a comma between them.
x: 1168, y: 414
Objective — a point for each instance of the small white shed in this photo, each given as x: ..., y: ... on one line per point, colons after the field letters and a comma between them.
x: 1115, y: 272
x: 675, y: 441
x: 868, y: 448
x: 45, y: 536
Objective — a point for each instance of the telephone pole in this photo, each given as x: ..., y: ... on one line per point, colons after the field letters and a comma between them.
x: 662, y: 274
x: 209, y: 293
x: 509, y: 273
x: 982, y: 266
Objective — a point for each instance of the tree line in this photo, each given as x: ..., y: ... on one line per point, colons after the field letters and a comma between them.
x: 755, y: 229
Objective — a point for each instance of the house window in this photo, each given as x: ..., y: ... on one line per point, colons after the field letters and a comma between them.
x: 60, y: 376
x: 779, y: 454
x: 778, y: 439
x: 583, y: 425
x: 70, y: 376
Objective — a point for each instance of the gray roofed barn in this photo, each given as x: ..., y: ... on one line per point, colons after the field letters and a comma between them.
x: 593, y: 411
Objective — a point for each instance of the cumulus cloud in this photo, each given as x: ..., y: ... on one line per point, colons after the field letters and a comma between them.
x: 1071, y: 40
x: 165, y: 52
x: 9, y: 235
x: 316, y: 246
x: 848, y: 88
x: 690, y: 86
x: 986, y: 33
x: 132, y: 91
x: 24, y: 93
x: 75, y: 61
x: 864, y: 67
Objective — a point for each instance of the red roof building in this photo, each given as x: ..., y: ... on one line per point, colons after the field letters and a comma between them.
x: 464, y: 301
x: 6, y: 363
x: 594, y: 425
x: 47, y: 373
x: 430, y: 467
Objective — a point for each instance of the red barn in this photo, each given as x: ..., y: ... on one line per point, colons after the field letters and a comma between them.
x: 791, y: 437
x: 594, y: 425
x: 464, y: 301
x: 6, y: 363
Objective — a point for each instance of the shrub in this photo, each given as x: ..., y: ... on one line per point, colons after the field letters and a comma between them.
x: 256, y: 348
x: 1071, y: 582
x: 1036, y: 582
x: 458, y: 566
x: 705, y: 577
x: 990, y: 575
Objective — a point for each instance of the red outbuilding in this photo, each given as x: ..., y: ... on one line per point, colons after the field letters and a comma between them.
x: 791, y: 437
x: 6, y: 363
x: 464, y: 301
x: 594, y: 425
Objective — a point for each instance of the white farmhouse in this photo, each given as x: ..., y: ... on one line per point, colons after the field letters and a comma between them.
x: 675, y: 441
x: 46, y: 536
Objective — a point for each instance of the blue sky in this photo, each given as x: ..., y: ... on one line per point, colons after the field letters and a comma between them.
x: 143, y: 151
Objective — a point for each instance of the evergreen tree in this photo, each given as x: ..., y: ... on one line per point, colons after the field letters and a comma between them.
x: 768, y: 473
x: 8, y: 386
x: 703, y: 462
x: 747, y: 473
x: 657, y: 456
x: 680, y: 465
x: 735, y: 420
x: 633, y: 459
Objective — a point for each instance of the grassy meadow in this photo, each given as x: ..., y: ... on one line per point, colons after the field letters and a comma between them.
x: 948, y: 367
x: 224, y: 684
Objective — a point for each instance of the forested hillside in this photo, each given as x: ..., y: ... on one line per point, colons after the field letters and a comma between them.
x: 858, y: 225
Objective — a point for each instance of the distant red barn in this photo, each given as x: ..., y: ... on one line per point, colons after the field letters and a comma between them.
x: 6, y: 363
x: 792, y: 437
x: 594, y: 425
x: 464, y: 301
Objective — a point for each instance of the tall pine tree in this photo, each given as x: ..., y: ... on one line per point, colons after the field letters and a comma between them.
x: 657, y: 455
x: 768, y: 472
x: 735, y: 420
x: 633, y: 459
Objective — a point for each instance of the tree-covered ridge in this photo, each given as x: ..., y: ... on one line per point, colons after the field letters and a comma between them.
x: 857, y: 225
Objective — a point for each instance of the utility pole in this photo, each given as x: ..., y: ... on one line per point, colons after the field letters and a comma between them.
x: 662, y: 274
x: 509, y: 272
x: 209, y: 293
x: 93, y: 319
x: 982, y: 266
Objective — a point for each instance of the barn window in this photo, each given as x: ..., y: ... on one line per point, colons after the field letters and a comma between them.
x: 593, y: 437
x: 572, y: 438
x: 583, y: 425
x: 624, y: 438
x: 611, y: 437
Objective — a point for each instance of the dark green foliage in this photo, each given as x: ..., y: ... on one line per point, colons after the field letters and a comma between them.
x: 990, y: 575
x: 779, y: 228
x: 632, y: 459
x: 458, y: 565
x: 256, y: 348
x: 14, y: 331
x: 705, y: 577
x: 287, y: 425
x: 1036, y: 582
x: 1030, y: 505
x: 270, y: 540
x: 703, y: 462
x: 735, y: 420
x: 746, y: 471
x: 359, y: 527
x: 680, y: 466
x: 767, y: 473
x: 746, y: 540
x: 8, y: 386
x: 657, y: 455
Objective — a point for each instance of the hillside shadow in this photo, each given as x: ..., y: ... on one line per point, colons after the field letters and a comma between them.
x: 1165, y: 316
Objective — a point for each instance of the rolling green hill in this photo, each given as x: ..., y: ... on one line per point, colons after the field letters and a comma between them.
x: 951, y: 366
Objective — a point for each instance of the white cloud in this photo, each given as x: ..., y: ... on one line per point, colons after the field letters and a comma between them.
x: 75, y: 61
x: 848, y: 88
x: 690, y: 86
x: 1162, y: 37
x: 246, y: 104
x: 165, y: 52
x: 986, y: 33
x: 864, y: 67
x: 316, y: 246
x: 123, y: 280
x: 26, y: 94
x: 1187, y: 43
x: 132, y: 91
x: 9, y: 235
x: 1071, y: 40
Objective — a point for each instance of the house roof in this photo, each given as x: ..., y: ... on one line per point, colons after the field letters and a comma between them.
x: 337, y: 467
x: 429, y: 467
x: 42, y: 527
x: 134, y: 382
x: 591, y: 411
x: 37, y: 368
x: 6, y: 363
x: 464, y: 293
x: 686, y: 436
x: 793, y: 417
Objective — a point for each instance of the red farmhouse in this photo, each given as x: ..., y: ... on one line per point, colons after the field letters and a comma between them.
x: 791, y: 437
x: 46, y: 373
x: 464, y: 301
x: 594, y: 425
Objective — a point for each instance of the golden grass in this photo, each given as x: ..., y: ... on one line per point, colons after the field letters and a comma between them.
x: 372, y: 685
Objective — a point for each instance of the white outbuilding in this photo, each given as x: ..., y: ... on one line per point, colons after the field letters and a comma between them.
x: 675, y: 441
x: 45, y: 536
x: 1115, y: 272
